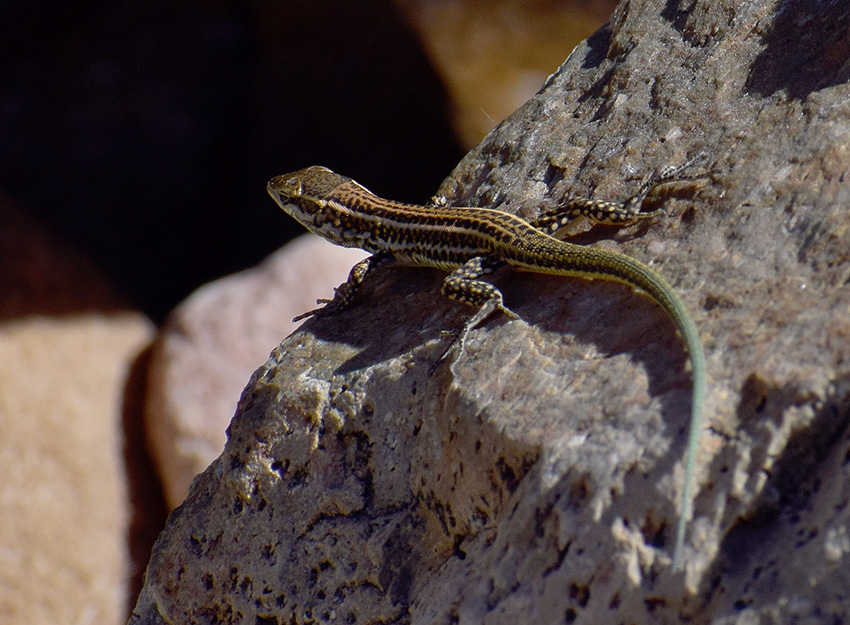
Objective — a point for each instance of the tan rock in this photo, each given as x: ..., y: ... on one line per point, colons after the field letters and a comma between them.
x: 494, y: 55
x: 537, y: 479
x: 64, y: 369
x: 212, y: 343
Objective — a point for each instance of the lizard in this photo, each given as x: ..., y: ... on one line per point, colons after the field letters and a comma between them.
x: 470, y: 242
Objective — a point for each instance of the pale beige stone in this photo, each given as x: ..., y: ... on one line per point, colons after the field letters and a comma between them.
x: 64, y: 535
x: 212, y: 343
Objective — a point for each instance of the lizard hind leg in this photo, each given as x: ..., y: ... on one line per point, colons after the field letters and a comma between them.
x: 672, y: 173
x: 611, y: 213
x: 464, y: 285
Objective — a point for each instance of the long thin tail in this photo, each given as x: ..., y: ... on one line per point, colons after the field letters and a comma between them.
x: 698, y: 364
x: 567, y: 259
x: 645, y: 278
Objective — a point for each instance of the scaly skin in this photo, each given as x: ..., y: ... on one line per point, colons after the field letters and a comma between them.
x: 471, y: 242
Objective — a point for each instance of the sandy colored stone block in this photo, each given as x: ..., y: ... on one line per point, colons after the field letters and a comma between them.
x: 64, y: 536
x: 212, y: 343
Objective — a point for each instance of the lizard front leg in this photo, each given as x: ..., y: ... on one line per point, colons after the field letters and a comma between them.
x: 345, y: 292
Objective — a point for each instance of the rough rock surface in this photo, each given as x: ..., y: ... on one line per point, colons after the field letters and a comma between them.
x: 67, y: 347
x: 536, y: 479
x: 214, y: 340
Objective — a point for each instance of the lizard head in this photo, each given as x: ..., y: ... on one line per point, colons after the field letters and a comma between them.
x: 305, y: 190
x: 306, y: 195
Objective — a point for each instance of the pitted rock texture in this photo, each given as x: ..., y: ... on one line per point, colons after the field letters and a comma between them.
x: 535, y: 478
x: 214, y: 340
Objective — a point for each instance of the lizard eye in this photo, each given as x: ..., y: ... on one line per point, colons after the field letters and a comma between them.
x: 294, y: 186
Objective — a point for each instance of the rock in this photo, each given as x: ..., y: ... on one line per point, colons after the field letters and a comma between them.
x: 494, y: 55
x: 214, y: 340
x: 536, y: 479
x: 67, y: 348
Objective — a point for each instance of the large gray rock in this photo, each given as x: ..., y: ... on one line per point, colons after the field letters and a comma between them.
x: 214, y: 340
x: 536, y: 479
